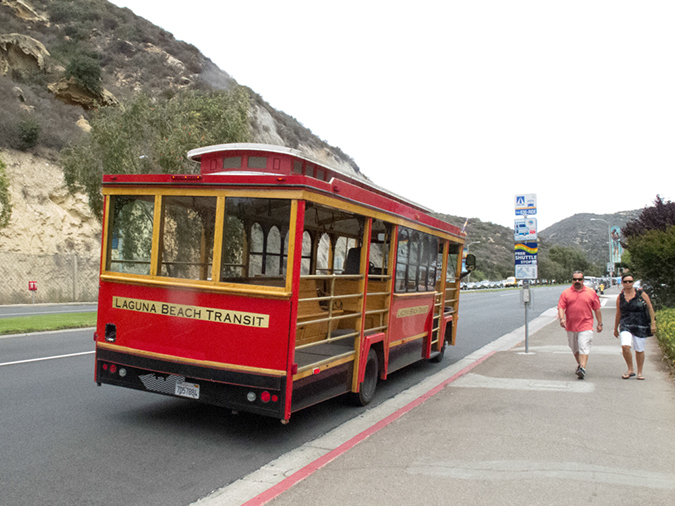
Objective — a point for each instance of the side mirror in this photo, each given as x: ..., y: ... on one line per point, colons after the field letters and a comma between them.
x: 470, y: 264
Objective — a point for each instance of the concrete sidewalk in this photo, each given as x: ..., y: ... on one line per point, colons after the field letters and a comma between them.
x: 519, y: 429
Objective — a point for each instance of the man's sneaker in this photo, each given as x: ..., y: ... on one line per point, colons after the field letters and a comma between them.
x: 581, y: 373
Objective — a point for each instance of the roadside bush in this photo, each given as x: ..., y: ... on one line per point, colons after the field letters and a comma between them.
x: 665, y: 333
x: 29, y: 132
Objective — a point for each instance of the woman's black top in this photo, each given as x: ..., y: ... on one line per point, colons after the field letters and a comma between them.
x: 634, y: 315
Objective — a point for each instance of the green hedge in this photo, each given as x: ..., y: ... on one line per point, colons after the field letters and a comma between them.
x: 665, y: 332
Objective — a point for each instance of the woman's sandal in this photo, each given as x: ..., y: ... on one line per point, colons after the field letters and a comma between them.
x: 628, y: 375
x: 640, y: 377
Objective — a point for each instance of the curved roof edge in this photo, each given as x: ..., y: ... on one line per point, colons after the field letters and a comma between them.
x: 196, y: 154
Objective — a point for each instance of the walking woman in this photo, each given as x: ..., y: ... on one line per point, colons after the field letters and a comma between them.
x: 633, y: 323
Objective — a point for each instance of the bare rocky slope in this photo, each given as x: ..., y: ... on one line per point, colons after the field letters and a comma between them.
x: 46, y: 218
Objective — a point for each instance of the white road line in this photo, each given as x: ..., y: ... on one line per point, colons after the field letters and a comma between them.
x: 472, y: 380
x: 513, y: 470
x: 46, y: 358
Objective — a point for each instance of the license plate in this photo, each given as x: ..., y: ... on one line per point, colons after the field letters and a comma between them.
x: 190, y: 390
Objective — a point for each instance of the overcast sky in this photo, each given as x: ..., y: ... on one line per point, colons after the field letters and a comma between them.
x: 460, y: 106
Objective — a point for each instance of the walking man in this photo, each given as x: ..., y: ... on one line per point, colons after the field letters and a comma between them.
x: 575, y: 310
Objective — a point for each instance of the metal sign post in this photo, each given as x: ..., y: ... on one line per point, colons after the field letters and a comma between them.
x: 525, y: 253
x: 32, y: 287
x: 526, y: 301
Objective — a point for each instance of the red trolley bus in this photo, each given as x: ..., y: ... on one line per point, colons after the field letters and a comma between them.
x: 269, y: 282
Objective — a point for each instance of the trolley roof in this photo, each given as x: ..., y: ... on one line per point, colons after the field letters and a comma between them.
x: 253, y: 164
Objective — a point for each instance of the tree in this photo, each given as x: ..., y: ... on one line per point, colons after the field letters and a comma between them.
x: 561, y: 261
x: 658, y: 217
x: 152, y: 136
x: 29, y: 132
x: 650, y: 241
x: 86, y: 69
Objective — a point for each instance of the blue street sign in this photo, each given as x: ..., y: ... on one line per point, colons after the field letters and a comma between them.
x: 526, y: 204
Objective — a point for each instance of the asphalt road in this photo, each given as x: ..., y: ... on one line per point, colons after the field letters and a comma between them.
x: 63, y: 440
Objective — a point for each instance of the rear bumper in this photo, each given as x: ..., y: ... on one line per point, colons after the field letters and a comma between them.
x: 219, y: 387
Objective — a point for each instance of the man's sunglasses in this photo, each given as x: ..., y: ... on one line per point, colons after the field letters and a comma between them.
x: 627, y: 280
x: 577, y: 279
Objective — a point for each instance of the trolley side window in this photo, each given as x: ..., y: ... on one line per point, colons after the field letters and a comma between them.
x: 416, y: 261
x: 130, y: 233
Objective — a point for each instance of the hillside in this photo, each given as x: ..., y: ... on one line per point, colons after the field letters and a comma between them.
x: 61, y: 59
x: 589, y: 236
x: 44, y: 44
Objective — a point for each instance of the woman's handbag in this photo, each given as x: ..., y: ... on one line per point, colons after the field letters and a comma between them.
x: 646, y: 319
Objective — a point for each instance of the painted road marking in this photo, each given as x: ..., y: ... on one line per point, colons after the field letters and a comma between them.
x: 500, y: 470
x: 595, y: 350
x: 472, y: 380
x: 47, y: 358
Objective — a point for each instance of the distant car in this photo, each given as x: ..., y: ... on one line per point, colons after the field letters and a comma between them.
x: 591, y: 283
x: 510, y: 281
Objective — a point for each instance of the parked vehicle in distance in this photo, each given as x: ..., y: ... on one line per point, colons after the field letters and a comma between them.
x: 510, y: 281
x: 591, y: 282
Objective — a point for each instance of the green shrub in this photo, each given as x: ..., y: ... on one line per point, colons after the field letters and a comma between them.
x: 665, y: 332
x: 86, y: 68
x: 29, y: 132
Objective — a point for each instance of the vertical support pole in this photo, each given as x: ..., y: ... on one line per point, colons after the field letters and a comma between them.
x: 526, y: 301
x: 75, y: 277
x: 610, y: 265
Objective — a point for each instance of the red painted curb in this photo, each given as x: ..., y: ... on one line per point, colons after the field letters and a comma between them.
x: 309, y: 469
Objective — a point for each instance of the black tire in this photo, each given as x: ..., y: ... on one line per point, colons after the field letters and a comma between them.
x: 368, y: 386
x: 438, y: 358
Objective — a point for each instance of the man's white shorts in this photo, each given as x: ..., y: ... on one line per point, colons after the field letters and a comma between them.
x: 580, y: 342
x: 628, y: 339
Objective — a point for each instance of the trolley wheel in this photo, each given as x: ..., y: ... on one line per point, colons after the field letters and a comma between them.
x: 438, y: 358
x: 368, y: 386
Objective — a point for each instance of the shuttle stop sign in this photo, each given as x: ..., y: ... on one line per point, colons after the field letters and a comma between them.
x: 526, y: 204
x: 526, y: 260
x: 525, y: 229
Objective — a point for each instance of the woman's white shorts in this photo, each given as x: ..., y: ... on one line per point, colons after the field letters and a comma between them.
x: 580, y: 342
x: 628, y: 339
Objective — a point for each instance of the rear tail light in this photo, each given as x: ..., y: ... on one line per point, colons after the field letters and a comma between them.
x: 264, y: 396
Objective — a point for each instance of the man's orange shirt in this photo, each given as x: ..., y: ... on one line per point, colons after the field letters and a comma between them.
x: 579, y: 307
